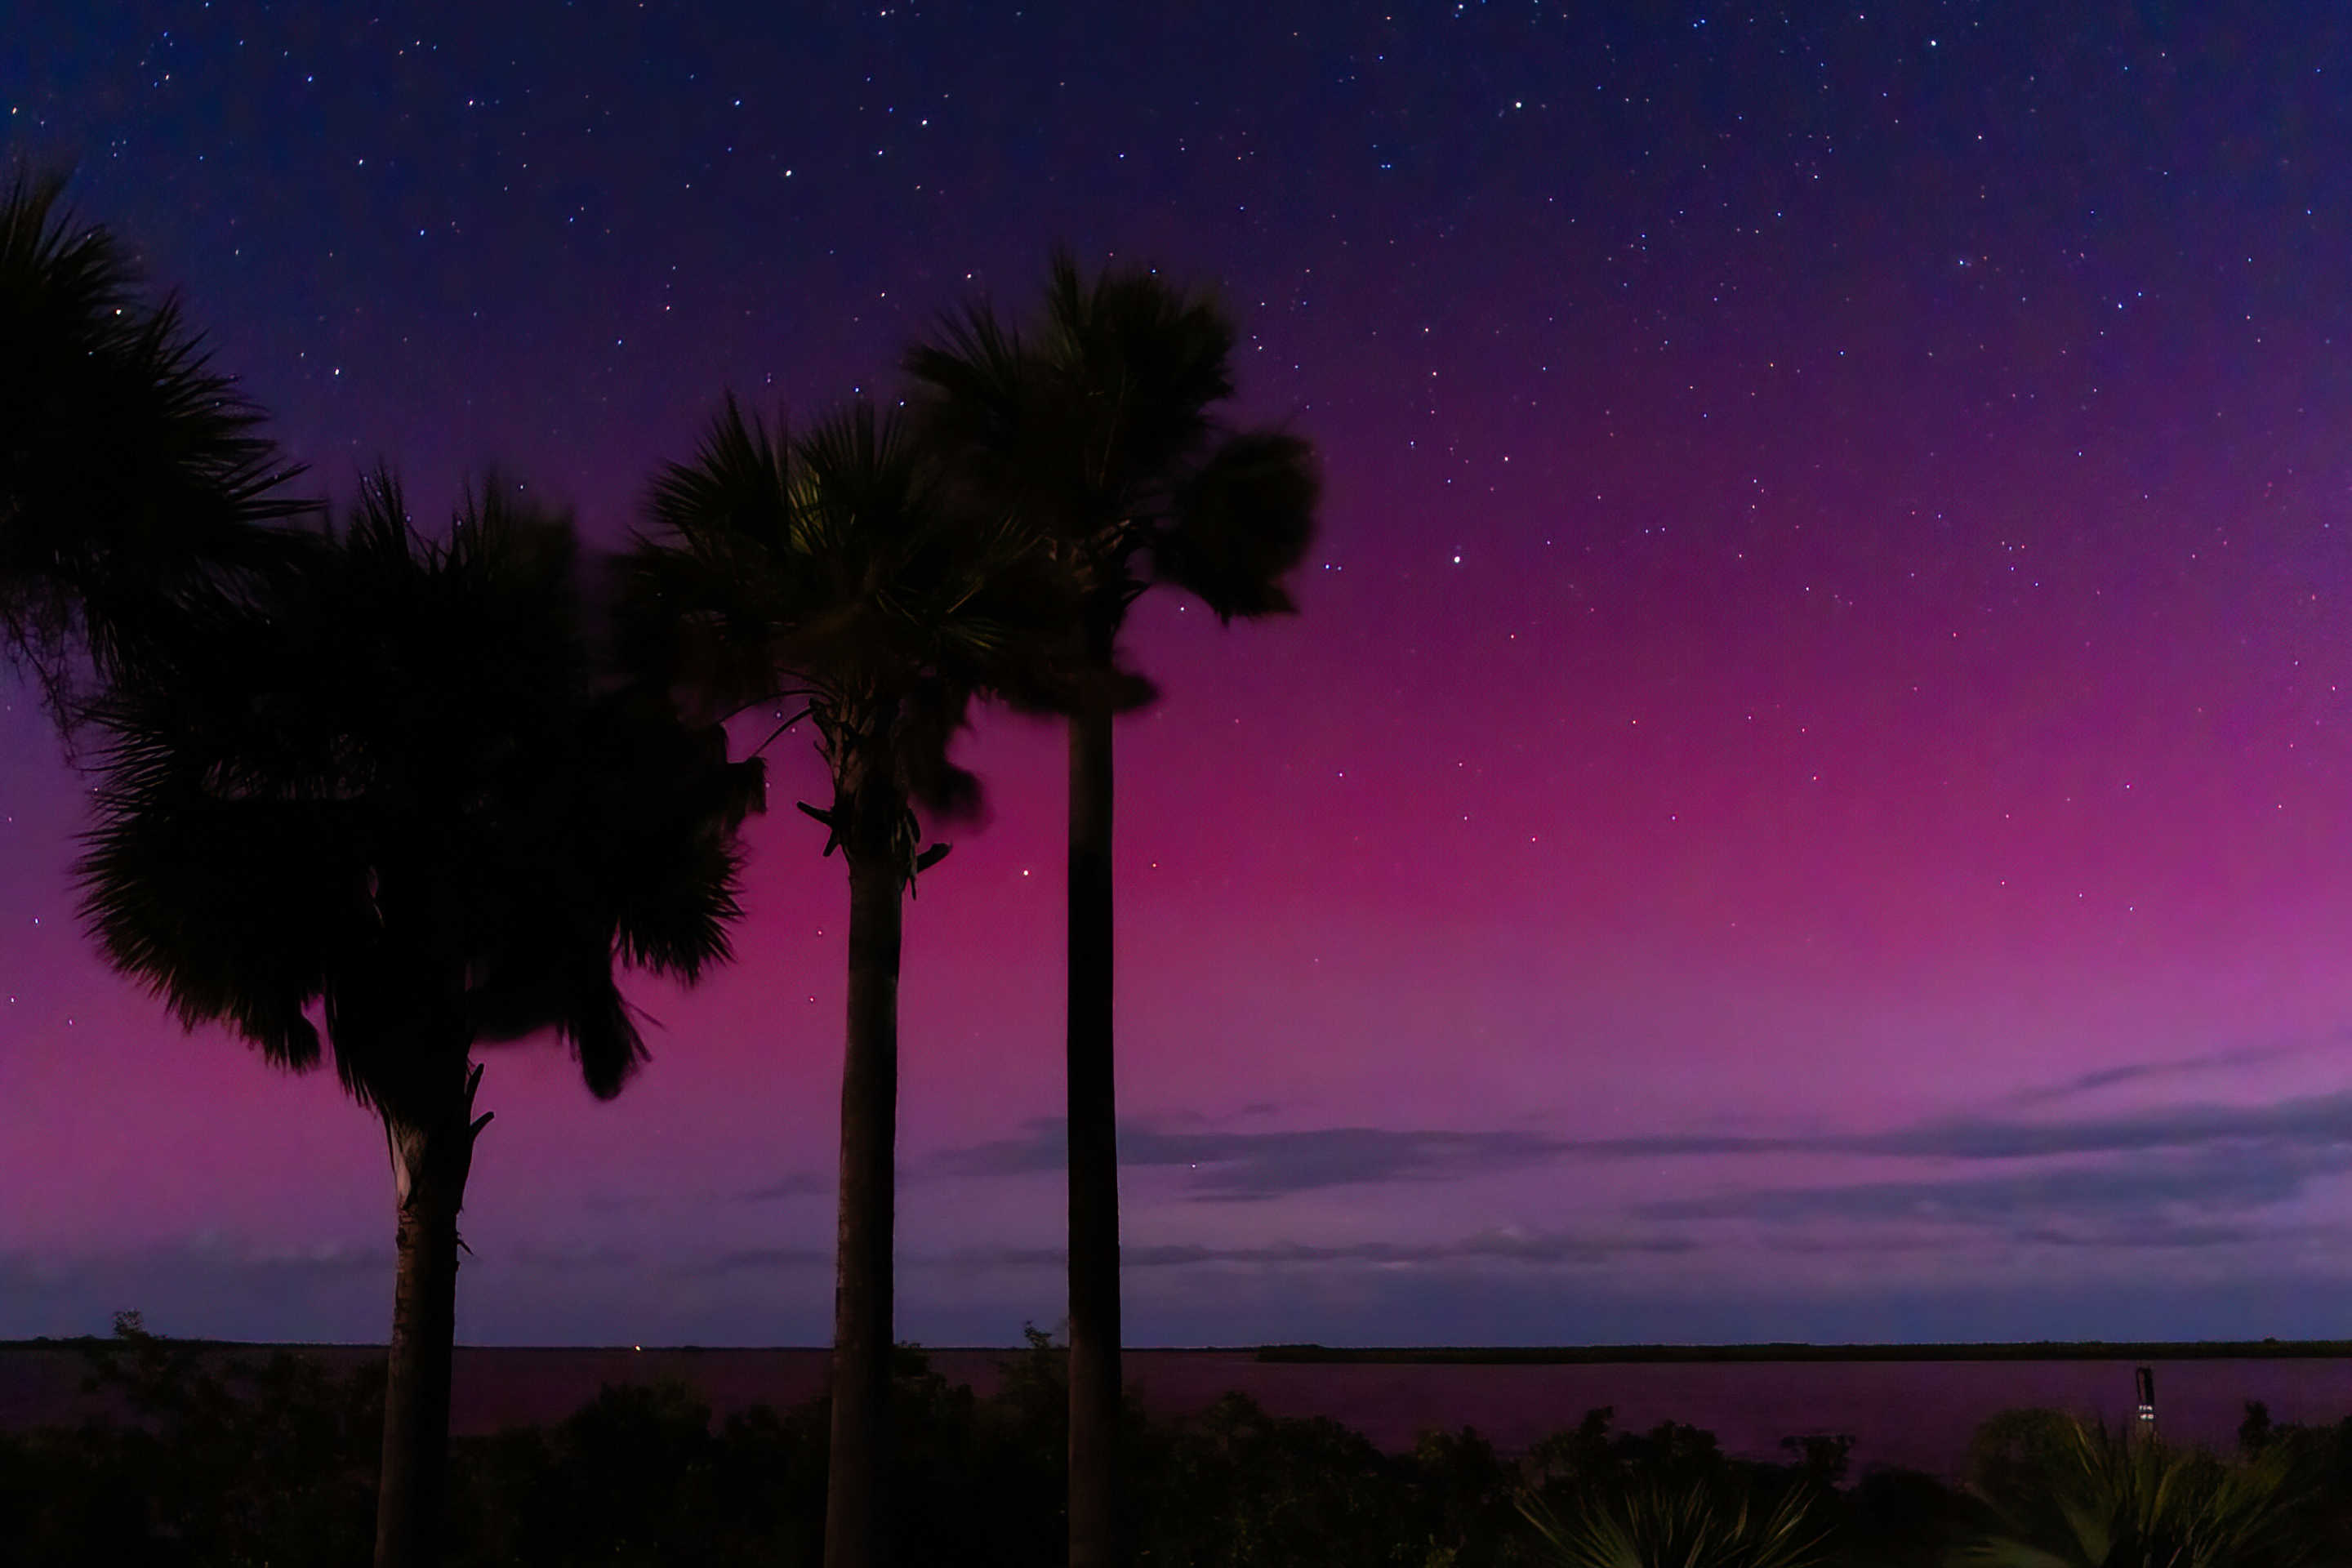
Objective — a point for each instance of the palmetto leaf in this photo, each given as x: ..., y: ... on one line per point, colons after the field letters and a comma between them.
x: 1705, y: 1524
x: 2075, y: 1494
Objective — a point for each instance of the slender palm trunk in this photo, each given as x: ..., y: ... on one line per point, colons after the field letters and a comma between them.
x: 431, y: 1159
x: 1095, y: 1534
x: 862, y: 1261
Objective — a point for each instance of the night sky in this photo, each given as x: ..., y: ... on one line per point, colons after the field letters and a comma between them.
x: 1810, y: 796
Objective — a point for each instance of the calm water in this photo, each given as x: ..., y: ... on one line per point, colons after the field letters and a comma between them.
x: 1913, y: 1414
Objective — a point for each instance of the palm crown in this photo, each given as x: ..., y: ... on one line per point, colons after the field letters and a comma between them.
x: 834, y: 571
x: 1097, y: 428
x: 399, y: 790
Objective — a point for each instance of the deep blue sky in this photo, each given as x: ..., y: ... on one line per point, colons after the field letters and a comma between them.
x: 1807, y: 799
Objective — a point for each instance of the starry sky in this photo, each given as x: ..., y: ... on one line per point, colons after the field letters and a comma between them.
x: 1807, y: 799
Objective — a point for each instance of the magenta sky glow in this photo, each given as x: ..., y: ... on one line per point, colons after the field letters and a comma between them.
x: 1807, y: 799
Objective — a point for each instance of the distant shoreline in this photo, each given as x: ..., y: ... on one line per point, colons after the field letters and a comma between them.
x: 1907, y: 1407
x: 2032, y: 1349
x: 1481, y: 1355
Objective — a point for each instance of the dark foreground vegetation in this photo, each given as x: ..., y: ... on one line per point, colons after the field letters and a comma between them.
x: 275, y: 1462
x: 2003, y: 1349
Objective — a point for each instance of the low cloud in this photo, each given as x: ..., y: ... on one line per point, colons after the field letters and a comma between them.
x: 1501, y: 1246
x: 207, y: 1286
x: 530, y: 1254
x: 1243, y: 1166
x: 2321, y: 1121
x: 2199, y: 1200
x: 795, y: 1184
x: 1248, y: 1166
x: 2163, y: 1236
x: 757, y: 1260
x: 2143, y: 1072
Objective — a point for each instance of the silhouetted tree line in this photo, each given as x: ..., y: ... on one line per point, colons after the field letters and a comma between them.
x: 229, y: 1462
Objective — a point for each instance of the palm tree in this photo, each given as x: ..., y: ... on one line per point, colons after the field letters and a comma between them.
x: 397, y: 788
x: 131, y: 471
x: 830, y: 573
x: 1097, y: 431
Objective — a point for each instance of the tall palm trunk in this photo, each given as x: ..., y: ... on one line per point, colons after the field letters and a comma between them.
x: 1094, y: 1536
x: 431, y: 1156
x: 862, y: 1319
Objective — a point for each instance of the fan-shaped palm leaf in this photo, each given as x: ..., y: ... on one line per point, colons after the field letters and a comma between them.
x: 131, y: 472
x: 1705, y: 1524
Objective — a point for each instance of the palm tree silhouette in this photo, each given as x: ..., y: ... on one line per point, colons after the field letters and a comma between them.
x: 1097, y: 431
x: 131, y: 472
x: 831, y: 574
x: 397, y: 787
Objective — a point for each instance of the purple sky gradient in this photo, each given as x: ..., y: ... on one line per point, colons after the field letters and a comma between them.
x: 1807, y: 799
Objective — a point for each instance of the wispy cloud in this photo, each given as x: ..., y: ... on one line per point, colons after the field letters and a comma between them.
x: 2169, y: 1199
x: 2143, y: 1072
x: 2164, y: 1236
x: 1544, y: 1248
x: 1240, y: 1166
x: 2311, y: 1121
x: 559, y: 1259
x: 757, y: 1260
x: 793, y: 1184
x: 1255, y: 1165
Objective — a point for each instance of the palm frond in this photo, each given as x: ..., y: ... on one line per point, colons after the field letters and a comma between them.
x: 226, y: 910
x: 929, y: 722
x: 1704, y: 1525
x: 738, y: 485
x: 1242, y: 521
x: 974, y: 390
x: 132, y: 473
